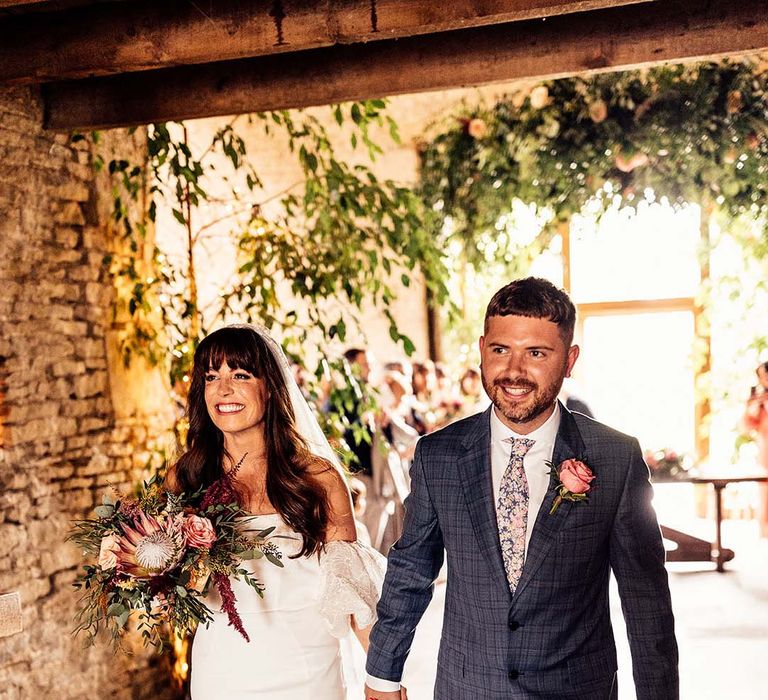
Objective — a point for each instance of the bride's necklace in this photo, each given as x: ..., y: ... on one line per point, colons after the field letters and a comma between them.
x: 231, y: 476
x: 232, y: 473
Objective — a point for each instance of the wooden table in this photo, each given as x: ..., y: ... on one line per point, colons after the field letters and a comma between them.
x: 690, y: 548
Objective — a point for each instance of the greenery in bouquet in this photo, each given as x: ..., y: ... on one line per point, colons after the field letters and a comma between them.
x: 159, y: 554
x: 667, y: 465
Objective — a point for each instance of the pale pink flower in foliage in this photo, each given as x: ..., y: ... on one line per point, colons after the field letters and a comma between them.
x: 733, y: 102
x: 539, y: 97
x: 152, y: 546
x: 627, y: 165
x: 477, y: 128
x: 199, y: 532
x: 598, y: 111
x: 108, y: 551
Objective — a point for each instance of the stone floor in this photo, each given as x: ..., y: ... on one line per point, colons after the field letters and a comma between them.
x: 721, y: 619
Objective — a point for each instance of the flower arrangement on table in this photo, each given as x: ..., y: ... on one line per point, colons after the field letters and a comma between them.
x: 667, y: 465
x: 159, y: 554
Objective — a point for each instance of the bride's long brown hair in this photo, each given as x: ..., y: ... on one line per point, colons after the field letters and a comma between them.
x: 297, y: 495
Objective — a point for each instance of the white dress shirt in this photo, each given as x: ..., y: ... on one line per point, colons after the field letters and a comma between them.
x: 536, y: 473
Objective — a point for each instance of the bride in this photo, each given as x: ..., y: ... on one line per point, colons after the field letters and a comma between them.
x: 251, y: 430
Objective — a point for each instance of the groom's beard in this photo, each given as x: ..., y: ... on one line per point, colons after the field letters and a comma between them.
x: 526, y: 408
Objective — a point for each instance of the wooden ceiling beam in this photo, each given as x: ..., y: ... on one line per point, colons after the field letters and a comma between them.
x: 16, y: 3
x: 116, y: 38
x: 618, y: 38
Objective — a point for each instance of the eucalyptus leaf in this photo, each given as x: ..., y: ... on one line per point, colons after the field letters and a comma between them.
x: 116, y: 609
x: 104, y: 512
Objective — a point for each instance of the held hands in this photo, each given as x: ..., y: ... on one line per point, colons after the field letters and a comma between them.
x: 384, y: 695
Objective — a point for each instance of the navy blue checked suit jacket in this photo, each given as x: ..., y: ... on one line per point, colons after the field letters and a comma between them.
x: 553, y: 638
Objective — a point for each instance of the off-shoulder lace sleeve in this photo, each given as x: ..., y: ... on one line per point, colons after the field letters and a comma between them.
x: 352, y: 576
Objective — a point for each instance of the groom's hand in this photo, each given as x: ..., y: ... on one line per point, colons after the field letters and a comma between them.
x: 385, y: 695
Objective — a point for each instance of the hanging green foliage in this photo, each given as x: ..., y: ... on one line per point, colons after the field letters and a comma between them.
x: 691, y: 133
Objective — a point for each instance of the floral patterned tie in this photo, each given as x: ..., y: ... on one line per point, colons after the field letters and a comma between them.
x: 512, y: 511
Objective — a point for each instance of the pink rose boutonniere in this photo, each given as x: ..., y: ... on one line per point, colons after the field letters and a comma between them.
x: 574, y: 482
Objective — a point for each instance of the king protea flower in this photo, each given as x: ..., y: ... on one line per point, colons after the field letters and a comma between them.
x: 151, y: 547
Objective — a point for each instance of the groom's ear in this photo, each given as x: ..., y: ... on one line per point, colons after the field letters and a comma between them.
x: 573, y: 355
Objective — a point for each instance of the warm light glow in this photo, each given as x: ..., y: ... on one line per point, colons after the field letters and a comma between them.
x: 180, y: 665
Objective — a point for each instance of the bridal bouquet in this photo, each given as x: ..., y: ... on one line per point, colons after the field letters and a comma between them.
x: 158, y: 554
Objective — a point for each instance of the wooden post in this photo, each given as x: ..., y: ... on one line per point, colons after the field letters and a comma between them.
x: 703, y: 358
x: 195, y: 321
x: 434, y: 327
x: 564, y: 229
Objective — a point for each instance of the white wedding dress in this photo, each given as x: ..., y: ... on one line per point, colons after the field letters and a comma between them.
x: 297, y: 630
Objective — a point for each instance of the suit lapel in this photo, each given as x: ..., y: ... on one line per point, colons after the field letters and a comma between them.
x: 568, y: 444
x: 475, y: 469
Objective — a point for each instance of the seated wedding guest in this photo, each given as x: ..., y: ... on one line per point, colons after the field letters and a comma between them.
x: 360, y: 362
x: 444, y: 389
x: 446, y: 401
x: 470, y: 384
x: 473, y: 398
x: 303, y: 379
x: 755, y: 423
x: 402, y: 366
x: 397, y: 421
x: 254, y: 440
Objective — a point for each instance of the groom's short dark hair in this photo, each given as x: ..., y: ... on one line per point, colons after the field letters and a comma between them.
x: 535, y: 298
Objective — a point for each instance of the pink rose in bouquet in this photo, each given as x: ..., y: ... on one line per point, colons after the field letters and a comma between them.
x: 198, y: 532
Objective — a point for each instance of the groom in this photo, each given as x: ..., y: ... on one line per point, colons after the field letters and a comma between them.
x: 529, y: 553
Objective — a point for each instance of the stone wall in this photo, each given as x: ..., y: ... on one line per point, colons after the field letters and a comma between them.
x: 68, y: 426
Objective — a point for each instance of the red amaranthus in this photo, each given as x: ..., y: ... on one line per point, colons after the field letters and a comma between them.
x: 221, y: 492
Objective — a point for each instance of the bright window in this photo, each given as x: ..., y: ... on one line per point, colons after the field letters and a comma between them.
x: 637, y: 375
x: 634, y: 277
x: 650, y: 254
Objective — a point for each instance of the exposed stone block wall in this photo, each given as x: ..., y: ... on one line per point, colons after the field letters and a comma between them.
x: 65, y: 432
